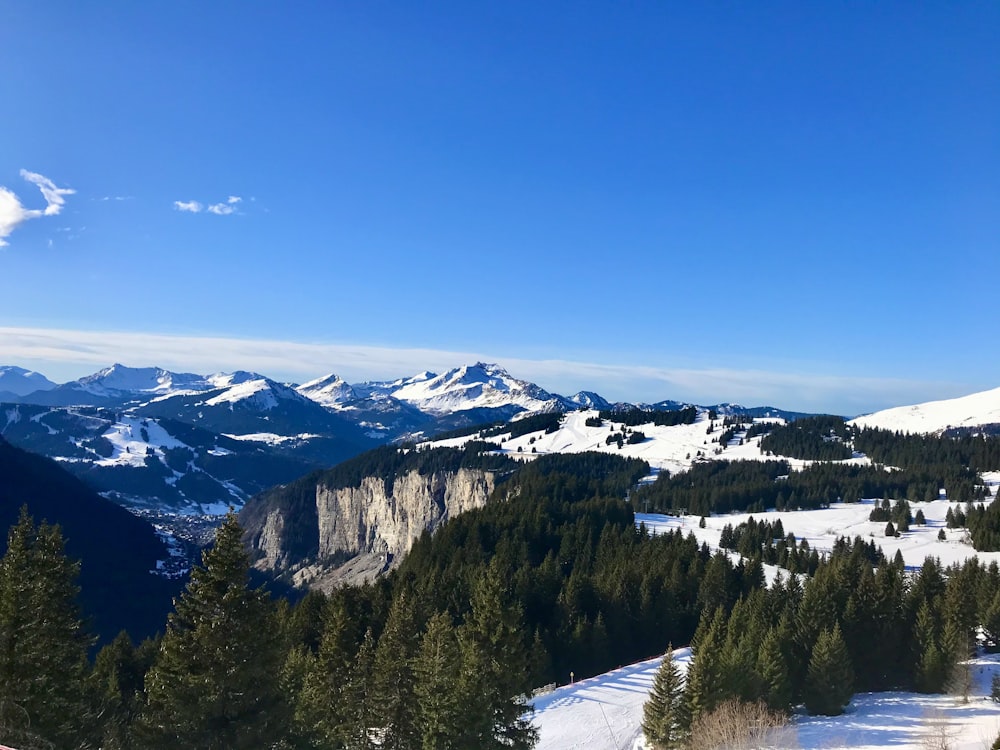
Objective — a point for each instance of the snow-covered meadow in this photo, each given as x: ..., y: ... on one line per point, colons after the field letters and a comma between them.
x: 605, y: 713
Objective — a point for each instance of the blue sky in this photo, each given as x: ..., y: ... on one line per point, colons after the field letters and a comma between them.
x: 792, y: 203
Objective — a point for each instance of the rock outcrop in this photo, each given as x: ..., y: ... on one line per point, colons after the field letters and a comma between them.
x: 348, y: 534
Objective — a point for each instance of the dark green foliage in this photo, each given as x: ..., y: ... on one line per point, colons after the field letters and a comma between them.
x: 772, y: 666
x: 117, y: 685
x: 821, y: 438
x: 494, y: 665
x: 547, y: 423
x: 393, y: 679
x: 598, y: 592
x: 830, y: 680
x: 440, y: 701
x: 663, y: 721
x: 43, y: 646
x: 212, y: 684
x: 634, y: 417
x: 705, y: 685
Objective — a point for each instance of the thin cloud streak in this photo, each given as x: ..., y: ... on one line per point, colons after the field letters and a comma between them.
x: 66, y: 354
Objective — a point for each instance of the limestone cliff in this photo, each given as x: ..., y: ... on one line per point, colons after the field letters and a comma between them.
x: 334, y: 533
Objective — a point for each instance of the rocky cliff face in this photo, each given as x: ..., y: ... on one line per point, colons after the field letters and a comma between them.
x: 353, y: 533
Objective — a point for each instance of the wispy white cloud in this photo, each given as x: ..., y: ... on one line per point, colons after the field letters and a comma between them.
x: 107, y: 198
x: 12, y: 211
x: 223, y: 208
x: 66, y: 354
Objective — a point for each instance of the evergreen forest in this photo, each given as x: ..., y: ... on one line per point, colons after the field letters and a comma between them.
x: 551, y: 580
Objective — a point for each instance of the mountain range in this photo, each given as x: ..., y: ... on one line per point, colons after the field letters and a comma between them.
x: 184, y: 442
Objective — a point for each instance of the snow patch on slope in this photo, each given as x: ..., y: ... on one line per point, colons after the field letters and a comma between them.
x: 934, y: 416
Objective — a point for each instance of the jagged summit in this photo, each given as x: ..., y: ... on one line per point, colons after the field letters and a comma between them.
x: 476, y: 386
x: 328, y: 390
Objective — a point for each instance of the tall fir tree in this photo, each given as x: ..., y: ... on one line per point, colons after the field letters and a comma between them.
x: 393, y: 680
x: 773, y: 668
x: 663, y: 719
x: 494, y: 667
x: 43, y: 644
x: 704, y: 688
x: 830, y: 679
x: 214, y: 683
x: 117, y: 685
x: 327, y: 709
x: 437, y: 690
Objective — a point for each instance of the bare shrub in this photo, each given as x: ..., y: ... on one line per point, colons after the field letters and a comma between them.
x: 738, y: 725
x: 936, y: 733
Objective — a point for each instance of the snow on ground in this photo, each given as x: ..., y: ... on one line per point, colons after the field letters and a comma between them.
x: 934, y: 416
x: 605, y: 713
x: 822, y: 527
x: 132, y: 437
x: 674, y: 449
x: 260, y: 391
x: 271, y: 438
x: 600, y: 712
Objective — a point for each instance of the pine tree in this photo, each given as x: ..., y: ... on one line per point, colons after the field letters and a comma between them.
x: 663, y: 721
x: 494, y: 665
x: 214, y: 683
x: 773, y: 668
x: 930, y: 667
x: 830, y: 679
x: 117, y: 683
x: 703, y: 688
x: 392, y: 680
x: 43, y: 645
x: 331, y: 705
x: 439, y: 700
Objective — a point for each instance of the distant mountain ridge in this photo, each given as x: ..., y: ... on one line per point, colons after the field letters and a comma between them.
x: 17, y: 381
x: 185, y: 442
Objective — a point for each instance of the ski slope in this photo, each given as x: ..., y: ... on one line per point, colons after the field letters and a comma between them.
x: 605, y: 713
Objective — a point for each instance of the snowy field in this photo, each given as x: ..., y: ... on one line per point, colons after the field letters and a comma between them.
x: 605, y: 713
x: 673, y: 448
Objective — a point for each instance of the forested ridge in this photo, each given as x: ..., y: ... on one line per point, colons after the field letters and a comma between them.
x: 551, y: 578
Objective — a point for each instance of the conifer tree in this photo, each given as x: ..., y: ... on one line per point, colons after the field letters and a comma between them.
x: 773, y: 668
x: 392, y: 681
x: 327, y: 708
x: 663, y: 721
x: 494, y: 665
x: 930, y: 668
x: 214, y: 683
x: 830, y: 679
x: 703, y: 689
x: 439, y: 700
x: 43, y: 645
x: 117, y: 683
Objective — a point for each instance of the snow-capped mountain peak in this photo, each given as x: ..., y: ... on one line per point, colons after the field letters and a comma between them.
x: 21, y: 382
x: 328, y: 390
x: 473, y: 387
x: 119, y: 379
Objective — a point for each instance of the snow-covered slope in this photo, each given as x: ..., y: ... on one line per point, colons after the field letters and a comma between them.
x: 605, y: 713
x: 475, y: 386
x: 21, y: 382
x: 329, y: 390
x: 934, y: 416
